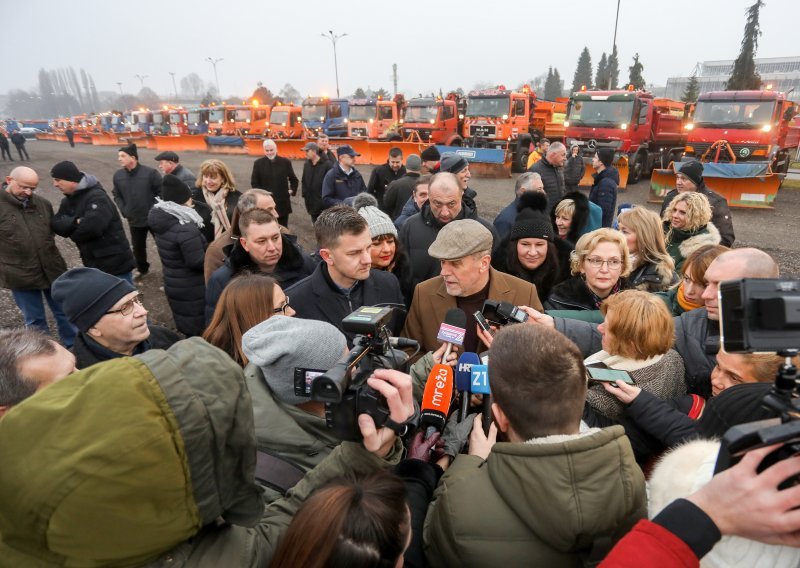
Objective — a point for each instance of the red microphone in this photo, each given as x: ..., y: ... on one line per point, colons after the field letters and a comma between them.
x: 436, y: 399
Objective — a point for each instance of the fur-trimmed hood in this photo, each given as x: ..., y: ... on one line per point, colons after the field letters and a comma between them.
x: 709, y: 236
x: 579, y: 218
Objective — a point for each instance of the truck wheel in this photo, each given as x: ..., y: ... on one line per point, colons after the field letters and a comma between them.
x: 520, y: 164
x: 635, y: 172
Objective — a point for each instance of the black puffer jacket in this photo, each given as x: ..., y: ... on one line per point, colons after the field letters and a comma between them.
x: 573, y: 172
x: 553, y: 180
x: 574, y: 294
x: 89, y: 218
x: 135, y: 193
x: 604, y: 193
x: 182, y: 250
x: 720, y: 213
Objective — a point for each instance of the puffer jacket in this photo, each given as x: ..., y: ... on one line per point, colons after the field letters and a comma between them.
x: 681, y: 244
x: 283, y: 430
x: 29, y: 258
x: 720, y: 213
x: 338, y: 186
x: 553, y: 180
x: 179, y: 484
x: 604, y: 193
x: 573, y: 172
x: 574, y: 294
x: 535, y: 504
x: 135, y: 193
x: 89, y: 218
x: 651, y: 277
x: 182, y: 250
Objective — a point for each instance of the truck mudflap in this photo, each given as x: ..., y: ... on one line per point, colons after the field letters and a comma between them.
x: 621, y: 164
x: 483, y: 162
x: 748, y: 185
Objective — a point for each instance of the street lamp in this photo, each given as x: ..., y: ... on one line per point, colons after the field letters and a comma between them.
x: 141, y: 79
x: 614, y: 47
x: 334, y: 38
x: 216, y: 78
x: 119, y: 84
x: 173, y: 85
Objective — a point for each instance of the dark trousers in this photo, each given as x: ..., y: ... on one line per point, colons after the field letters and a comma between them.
x: 6, y: 150
x: 139, y: 241
x: 21, y: 149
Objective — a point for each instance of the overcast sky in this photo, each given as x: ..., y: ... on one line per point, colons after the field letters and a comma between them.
x: 435, y: 44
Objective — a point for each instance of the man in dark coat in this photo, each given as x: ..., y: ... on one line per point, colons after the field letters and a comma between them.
x: 169, y: 163
x: 324, y: 144
x: 550, y: 167
x: 573, y: 169
x: 262, y: 247
x: 344, y: 280
x: 109, y: 315
x: 135, y: 190
x: 314, y: 169
x: 690, y: 178
x: 528, y: 181
x: 343, y: 181
x: 19, y: 141
x: 606, y: 181
x: 385, y: 174
x: 459, y: 167
x: 4, y: 147
x: 29, y: 258
x: 70, y: 136
x: 399, y: 191
x: 181, y: 247
x: 445, y: 203
x: 88, y: 217
x: 275, y: 174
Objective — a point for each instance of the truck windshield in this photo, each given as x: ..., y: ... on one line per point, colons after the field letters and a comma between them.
x: 243, y: 115
x: 421, y: 113
x: 158, y: 118
x: 217, y: 115
x: 279, y: 117
x: 194, y: 117
x: 739, y: 114
x: 488, y: 106
x: 116, y: 119
x: 174, y: 118
x: 362, y: 112
x: 314, y: 112
x: 600, y: 113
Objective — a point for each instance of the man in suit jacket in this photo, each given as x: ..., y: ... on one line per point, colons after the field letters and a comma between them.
x: 275, y: 174
x: 344, y: 280
x: 464, y: 250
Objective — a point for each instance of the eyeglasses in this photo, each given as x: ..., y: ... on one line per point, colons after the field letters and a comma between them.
x: 597, y: 262
x: 282, y: 308
x: 127, y: 308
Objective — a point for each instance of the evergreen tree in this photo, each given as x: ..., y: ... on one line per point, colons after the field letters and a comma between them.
x: 635, y: 73
x: 583, y: 72
x: 359, y: 94
x: 613, y: 69
x: 262, y: 94
x: 601, y: 79
x: 558, y: 84
x: 744, y: 75
x: 552, y: 86
x: 692, y: 90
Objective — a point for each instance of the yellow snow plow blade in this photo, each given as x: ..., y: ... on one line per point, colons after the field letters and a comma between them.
x: 621, y: 164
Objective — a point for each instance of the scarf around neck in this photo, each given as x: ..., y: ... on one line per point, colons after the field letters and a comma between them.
x: 183, y: 213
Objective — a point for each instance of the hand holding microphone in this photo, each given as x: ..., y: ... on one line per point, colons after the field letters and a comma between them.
x: 436, y: 399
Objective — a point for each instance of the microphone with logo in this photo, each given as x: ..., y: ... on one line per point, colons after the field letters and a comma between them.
x: 436, y: 399
x: 464, y: 381
x: 452, y: 330
x: 480, y: 385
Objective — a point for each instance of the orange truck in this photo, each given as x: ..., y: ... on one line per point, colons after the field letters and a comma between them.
x: 434, y: 120
x: 375, y: 119
x: 178, y: 121
x: 285, y: 121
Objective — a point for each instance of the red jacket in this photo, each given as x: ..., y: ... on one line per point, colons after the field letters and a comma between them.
x: 650, y: 545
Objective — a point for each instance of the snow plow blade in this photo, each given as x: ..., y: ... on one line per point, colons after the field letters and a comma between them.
x: 182, y: 143
x: 483, y: 162
x: 621, y: 164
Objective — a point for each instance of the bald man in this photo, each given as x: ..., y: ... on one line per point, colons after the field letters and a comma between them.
x: 275, y: 174
x: 29, y: 259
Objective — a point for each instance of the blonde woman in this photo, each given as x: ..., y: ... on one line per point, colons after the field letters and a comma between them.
x: 599, y: 264
x: 688, y: 226
x: 653, y: 269
x: 217, y: 189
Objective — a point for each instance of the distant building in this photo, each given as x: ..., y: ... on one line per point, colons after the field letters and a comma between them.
x: 783, y: 73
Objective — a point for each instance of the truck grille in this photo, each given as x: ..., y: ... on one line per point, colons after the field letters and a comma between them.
x: 743, y: 152
x: 482, y: 130
x: 358, y: 132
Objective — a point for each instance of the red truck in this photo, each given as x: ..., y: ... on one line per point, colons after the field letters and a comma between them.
x: 645, y: 130
x: 435, y: 120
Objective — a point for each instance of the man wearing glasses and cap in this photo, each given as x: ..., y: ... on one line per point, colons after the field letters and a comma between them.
x: 342, y: 182
x: 109, y: 315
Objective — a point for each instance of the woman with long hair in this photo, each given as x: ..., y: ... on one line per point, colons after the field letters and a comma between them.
x: 245, y: 302
x: 653, y: 267
x: 216, y: 187
x: 688, y: 226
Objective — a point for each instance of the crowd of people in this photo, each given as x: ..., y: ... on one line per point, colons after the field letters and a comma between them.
x: 128, y: 443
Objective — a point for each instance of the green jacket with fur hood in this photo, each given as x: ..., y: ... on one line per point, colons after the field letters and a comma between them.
x: 540, y: 503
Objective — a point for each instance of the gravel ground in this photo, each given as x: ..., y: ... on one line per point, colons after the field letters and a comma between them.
x: 771, y: 230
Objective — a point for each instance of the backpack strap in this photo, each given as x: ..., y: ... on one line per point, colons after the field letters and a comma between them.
x: 276, y: 472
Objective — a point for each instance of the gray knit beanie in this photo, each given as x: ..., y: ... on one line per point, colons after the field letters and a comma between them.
x: 378, y: 221
x: 281, y: 343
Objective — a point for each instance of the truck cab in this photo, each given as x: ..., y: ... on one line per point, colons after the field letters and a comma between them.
x: 285, y: 121
x: 374, y: 119
x: 197, y: 120
x: 756, y: 124
x: 435, y: 120
x: 160, y: 126
x: 321, y: 114
x: 178, y: 121
x: 141, y: 121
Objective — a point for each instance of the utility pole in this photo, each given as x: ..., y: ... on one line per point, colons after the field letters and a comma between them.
x: 173, y: 85
x: 141, y: 79
x: 216, y: 77
x: 334, y: 38
x: 614, y: 45
x: 119, y: 84
x: 394, y: 77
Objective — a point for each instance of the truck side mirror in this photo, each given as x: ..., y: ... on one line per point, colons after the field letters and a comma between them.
x: 790, y: 113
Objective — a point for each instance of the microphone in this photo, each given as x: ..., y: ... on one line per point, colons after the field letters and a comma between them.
x: 480, y: 385
x: 436, y: 399
x: 403, y: 342
x: 452, y: 330
x: 464, y: 381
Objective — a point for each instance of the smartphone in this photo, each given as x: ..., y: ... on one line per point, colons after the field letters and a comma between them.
x: 482, y: 323
x: 608, y: 375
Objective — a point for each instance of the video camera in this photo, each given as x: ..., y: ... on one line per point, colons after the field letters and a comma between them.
x: 344, y: 388
x: 502, y: 313
x: 763, y: 315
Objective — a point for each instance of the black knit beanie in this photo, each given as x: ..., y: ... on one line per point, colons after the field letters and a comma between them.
x: 131, y: 150
x: 606, y: 156
x: 532, y: 222
x: 67, y: 171
x: 86, y: 294
x: 693, y: 170
x: 173, y: 189
x: 430, y: 154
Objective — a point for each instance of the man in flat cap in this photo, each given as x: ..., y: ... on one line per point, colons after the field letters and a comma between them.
x: 463, y: 249
x: 168, y: 163
x: 135, y: 190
